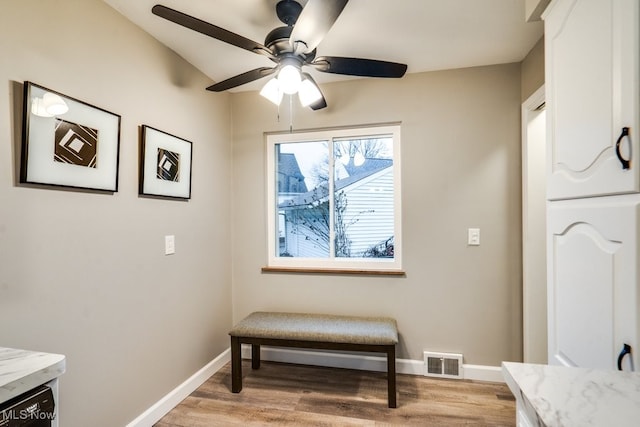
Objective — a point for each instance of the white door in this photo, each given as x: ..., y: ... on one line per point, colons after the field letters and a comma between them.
x: 593, y: 284
x: 592, y: 96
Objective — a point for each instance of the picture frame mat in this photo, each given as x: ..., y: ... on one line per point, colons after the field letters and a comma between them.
x: 153, y: 140
x: 38, y: 164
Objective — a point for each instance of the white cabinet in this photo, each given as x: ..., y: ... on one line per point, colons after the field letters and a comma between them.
x: 592, y: 51
x: 591, y: 59
x: 593, y: 266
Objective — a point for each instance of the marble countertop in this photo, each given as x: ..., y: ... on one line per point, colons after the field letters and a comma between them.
x: 23, y: 370
x: 557, y: 396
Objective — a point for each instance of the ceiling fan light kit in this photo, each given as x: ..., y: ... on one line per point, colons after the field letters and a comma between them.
x: 289, y: 76
x: 272, y: 91
x: 290, y: 47
x: 307, y: 90
x: 308, y: 93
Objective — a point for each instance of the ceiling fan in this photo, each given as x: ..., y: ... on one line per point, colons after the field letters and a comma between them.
x: 291, y: 47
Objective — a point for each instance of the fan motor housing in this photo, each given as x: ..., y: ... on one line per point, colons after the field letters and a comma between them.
x: 278, y: 40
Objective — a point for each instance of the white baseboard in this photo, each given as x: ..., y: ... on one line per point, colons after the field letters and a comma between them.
x: 483, y: 373
x: 177, y: 395
x: 366, y: 363
x: 303, y: 357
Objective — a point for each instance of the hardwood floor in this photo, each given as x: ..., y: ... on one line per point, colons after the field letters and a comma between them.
x: 295, y: 395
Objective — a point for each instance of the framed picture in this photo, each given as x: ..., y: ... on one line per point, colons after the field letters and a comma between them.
x: 165, y: 164
x: 67, y: 142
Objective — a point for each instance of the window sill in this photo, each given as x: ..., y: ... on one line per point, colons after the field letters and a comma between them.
x: 336, y: 271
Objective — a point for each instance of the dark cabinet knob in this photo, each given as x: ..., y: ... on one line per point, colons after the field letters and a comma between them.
x: 626, y: 349
x: 626, y: 164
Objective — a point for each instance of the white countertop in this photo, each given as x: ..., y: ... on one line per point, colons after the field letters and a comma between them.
x: 564, y: 397
x: 23, y: 370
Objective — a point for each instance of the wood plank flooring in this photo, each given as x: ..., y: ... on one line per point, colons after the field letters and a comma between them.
x: 296, y: 395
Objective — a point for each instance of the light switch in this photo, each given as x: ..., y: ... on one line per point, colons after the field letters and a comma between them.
x: 169, y: 245
x: 473, y: 237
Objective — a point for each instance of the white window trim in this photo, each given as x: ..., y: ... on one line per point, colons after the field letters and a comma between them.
x: 363, y: 265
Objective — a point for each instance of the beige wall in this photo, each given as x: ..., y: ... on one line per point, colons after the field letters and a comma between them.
x: 461, y: 169
x: 532, y: 71
x: 83, y: 274
x: 134, y: 323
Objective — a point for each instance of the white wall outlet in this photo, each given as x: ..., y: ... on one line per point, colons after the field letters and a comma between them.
x: 473, y: 238
x: 169, y: 245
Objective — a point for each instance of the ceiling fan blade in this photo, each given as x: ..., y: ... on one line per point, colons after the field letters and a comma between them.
x: 314, y: 22
x: 321, y: 103
x: 210, y: 30
x: 359, y: 67
x: 241, y: 79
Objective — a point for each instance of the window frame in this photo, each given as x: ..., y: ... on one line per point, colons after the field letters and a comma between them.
x: 361, y: 265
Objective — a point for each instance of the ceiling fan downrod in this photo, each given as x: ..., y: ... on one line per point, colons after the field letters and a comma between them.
x: 288, y: 11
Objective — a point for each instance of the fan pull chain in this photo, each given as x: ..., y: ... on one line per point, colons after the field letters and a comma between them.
x: 290, y: 113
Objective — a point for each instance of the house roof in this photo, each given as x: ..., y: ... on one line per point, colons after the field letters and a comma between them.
x: 289, y: 167
x: 356, y: 173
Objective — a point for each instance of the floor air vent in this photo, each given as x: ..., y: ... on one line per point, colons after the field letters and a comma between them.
x: 443, y: 365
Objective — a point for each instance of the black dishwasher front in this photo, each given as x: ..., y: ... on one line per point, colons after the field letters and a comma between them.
x: 34, y: 408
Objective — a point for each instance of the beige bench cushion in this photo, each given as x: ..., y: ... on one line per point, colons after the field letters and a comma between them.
x: 318, y: 327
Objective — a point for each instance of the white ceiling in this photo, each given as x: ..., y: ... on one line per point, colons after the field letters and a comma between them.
x: 426, y: 35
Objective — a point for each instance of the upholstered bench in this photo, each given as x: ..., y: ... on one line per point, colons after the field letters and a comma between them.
x: 316, y: 331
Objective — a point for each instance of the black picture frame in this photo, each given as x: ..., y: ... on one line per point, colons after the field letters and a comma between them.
x: 67, y: 142
x: 165, y: 164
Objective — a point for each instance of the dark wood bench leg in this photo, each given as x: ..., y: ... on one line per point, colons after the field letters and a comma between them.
x: 236, y: 365
x: 255, y: 356
x: 391, y: 376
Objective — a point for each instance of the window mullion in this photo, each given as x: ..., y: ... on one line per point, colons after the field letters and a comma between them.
x: 332, y: 234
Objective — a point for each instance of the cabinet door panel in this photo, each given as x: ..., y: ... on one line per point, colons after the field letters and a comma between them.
x: 592, y: 92
x: 592, y: 279
x: 584, y: 263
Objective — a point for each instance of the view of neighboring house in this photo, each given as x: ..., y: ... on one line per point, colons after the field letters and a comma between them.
x: 363, y: 209
x: 290, y: 178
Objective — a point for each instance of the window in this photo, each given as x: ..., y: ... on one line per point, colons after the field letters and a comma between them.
x: 334, y: 199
